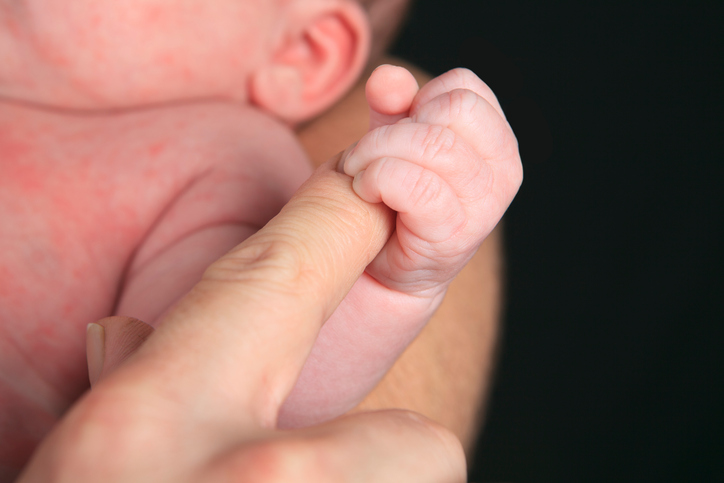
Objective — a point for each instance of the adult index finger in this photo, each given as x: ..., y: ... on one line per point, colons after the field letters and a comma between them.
x: 233, y: 347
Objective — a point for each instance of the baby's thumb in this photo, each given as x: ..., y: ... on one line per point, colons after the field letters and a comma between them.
x: 390, y: 91
x: 110, y: 341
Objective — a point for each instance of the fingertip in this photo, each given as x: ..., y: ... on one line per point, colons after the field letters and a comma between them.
x: 365, y: 189
x: 391, y: 89
x: 342, y: 165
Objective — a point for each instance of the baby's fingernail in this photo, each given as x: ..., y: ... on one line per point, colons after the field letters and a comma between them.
x: 357, y: 182
x: 95, y: 341
x: 345, y: 155
x: 340, y: 164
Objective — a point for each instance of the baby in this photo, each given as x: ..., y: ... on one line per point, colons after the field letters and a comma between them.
x: 141, y: 140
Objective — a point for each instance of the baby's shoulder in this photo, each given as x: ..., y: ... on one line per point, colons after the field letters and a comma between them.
x: 159, y: 151
x: 182, y: 138
x: 79, y: 188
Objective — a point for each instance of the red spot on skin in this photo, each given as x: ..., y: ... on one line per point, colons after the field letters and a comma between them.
x: 28, y: 180
x: 77, y: 273
x: 12, y: 149
x: 14, y: 154
x: 155, y: 149
x: 67, y: 310
x: 10, y: 291
x: 10, y: 24
x: 154, y: 15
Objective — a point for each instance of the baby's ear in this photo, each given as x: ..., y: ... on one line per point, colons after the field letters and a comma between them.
x: 320, y: 58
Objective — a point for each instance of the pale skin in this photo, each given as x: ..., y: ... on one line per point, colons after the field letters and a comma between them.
x: 446, y: 371
x: 197, y: 233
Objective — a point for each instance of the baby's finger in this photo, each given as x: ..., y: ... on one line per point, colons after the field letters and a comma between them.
x: 390, y: 91
x: 232, y: 349
x: 384, y: 446
x: 432, y: 147
x: 455, y: 79
x: 426, y: 204
x: 479, y: 124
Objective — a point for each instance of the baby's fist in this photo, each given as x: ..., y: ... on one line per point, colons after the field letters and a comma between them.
x: 449, y: 166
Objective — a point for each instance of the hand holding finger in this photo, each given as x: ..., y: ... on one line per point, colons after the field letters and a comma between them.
x: 261, y: 306
x: 450, y: 170
x: 226, y: 356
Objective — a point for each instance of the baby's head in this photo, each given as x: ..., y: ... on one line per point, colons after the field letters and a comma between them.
x: 292, y: 58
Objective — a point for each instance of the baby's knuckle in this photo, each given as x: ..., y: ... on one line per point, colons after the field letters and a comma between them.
x: 510, y: 167
x: 426, y: 189
x: 464, y: 76
x: 437, y: 141
x: 463, y: 104
x: 467, y: 79
x: 505, y: 145
x: 379, y: 137
x: 517, y: 173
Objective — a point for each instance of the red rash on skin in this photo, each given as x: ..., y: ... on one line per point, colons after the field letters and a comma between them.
x: 13, y: 149
x: 103, y: 54
x: 11, y: 26
x: 80, y: 195
x: 156, y: 149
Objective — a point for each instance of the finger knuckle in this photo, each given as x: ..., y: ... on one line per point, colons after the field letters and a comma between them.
x: 508, y: 169
x: 511, y: 153
x: 463, y: 104
x: 425, y: 188
x: 464, y: 77
x: 517, y: 174
x: 467, y: 79
x: 449, y: 447
x: 257, y: 261
x: 378, y: 138
x: 505, y: 144
x: 436, y: 141
x: 105, y: 426
x: 282, y: 462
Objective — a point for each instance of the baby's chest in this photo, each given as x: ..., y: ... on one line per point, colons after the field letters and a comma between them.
x: 56, y: 251
x: 67, y: 231
x: 75, y: 202
x: 63, y: 250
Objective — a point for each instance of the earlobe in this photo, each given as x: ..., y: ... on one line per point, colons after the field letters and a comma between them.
x: 318, y: 61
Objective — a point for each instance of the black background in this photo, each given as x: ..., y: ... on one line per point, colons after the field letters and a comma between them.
x: 611, y: 361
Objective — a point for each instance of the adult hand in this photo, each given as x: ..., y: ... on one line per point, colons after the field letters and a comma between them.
x: 198, y: 401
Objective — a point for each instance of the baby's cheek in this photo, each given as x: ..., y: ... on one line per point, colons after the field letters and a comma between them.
x: 105, y: 53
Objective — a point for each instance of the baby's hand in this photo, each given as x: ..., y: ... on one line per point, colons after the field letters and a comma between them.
x: 446, y: 160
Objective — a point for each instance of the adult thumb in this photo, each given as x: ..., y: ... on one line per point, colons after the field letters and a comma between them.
x: 111, y: 341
